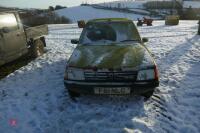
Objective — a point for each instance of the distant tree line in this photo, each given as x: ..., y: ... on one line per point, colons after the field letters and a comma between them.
x: 186, y: 14
x: 162, y: 5
x: 57, y: 7
x: 190, y: 14
x: 39, y: 17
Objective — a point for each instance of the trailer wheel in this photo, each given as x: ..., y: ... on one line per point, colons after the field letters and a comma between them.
x: 37, y: 48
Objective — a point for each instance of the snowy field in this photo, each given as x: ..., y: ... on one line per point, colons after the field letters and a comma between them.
x: 33, y: 99
x: 125, y: 4
x: 88, y: 12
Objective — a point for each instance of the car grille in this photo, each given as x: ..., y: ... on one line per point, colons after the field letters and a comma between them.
x: 111, y: 76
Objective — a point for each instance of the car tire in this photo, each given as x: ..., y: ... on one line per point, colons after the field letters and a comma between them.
x: 37, y: 49
x: 148, y: 94
x: 73, y: 94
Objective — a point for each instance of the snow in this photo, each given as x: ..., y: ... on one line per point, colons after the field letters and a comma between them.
x: 124, y: 4
x: 192, y: 4
x: 33, y: 98
x: 140, y: 10
x: 76, y: 55
x: 147, y: 61
x: 88, y: 12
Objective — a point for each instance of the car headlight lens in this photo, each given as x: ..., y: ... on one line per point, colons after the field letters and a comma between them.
x: 146, y: 74
x: 75, y: 74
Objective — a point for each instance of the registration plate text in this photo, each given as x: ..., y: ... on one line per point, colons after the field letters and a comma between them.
x: 115, y: 90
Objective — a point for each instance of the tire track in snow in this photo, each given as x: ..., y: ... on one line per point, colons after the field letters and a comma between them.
x: 167, y: 64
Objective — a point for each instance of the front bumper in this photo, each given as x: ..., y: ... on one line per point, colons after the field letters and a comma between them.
x: 85, y: 87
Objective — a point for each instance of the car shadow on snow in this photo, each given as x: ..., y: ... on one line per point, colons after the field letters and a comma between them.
x: 12, y: 66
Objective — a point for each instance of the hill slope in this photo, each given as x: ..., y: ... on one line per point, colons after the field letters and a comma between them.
x: 87, y: 12
x: 127, y: 4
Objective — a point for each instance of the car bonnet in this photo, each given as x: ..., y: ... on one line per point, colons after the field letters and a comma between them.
x: 108, y: 56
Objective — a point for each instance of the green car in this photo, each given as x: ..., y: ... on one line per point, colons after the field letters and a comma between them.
x: 111, y: 59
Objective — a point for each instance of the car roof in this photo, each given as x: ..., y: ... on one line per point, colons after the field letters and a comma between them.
x: 110, y: 20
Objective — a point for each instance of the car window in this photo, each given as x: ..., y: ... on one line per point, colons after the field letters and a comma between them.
x: 9, y: 21
x: 109, y: 32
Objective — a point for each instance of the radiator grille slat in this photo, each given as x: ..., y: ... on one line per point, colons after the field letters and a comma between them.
x: 111, y: 76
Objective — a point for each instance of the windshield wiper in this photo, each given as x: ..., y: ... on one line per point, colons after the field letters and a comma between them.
x: 129, y: 40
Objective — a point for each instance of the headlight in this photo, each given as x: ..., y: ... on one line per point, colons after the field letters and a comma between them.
x: 75, y: 74
x: 146, y: 75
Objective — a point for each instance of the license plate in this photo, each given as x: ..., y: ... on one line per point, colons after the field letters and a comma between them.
x: 115, y: 90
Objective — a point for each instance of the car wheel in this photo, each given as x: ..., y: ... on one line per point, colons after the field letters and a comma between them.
x: 148, y: 94
x: 37, y: 48
x: 73, y: 94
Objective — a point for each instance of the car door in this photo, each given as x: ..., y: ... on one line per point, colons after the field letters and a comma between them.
x: 12, y: 36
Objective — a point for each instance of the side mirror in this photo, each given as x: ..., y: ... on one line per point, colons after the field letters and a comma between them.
x: 81, y: 24
x: 74, y: 41
x: 145, y: 39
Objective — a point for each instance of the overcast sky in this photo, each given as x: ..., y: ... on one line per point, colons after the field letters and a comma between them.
x: 45, y: 3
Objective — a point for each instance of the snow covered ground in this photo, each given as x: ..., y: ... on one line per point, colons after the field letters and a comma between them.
x: 192, y: 4
x: 124, y: 4
x: 33, y: 99
x: 88, y: 12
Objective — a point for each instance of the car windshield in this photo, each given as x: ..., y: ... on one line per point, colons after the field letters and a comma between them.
x: 109, y: 32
